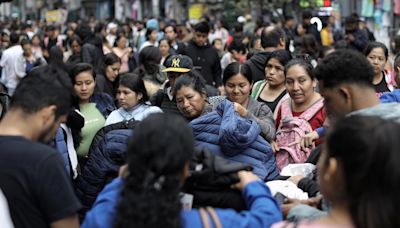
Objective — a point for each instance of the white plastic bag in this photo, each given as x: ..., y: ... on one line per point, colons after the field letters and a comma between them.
x: 287, y: 188
x: 304, y: 169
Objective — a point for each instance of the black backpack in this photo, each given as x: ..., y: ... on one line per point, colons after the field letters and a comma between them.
x: 210, y: 181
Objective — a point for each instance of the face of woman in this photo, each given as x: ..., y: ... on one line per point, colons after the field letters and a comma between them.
x: 274, y: 73
x: 153, y: 36
x: 112, y: 71
x: 397, y: 75
x: 127, y: 98
x: 36, y: 41
x: 218, y: 45
x: 75, y: 47
x: 299, y: 84
x: 238, y: 89
x: 122, y: 42
x: 377, y: 59
x: 27, y: 48
x: 164, y: 48
x: 84, y: 85
x: 190, y: 102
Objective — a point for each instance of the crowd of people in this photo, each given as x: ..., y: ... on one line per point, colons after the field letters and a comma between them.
x: 154, y: 124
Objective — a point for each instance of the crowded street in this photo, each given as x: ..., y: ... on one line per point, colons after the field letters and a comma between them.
x: 209, y: 113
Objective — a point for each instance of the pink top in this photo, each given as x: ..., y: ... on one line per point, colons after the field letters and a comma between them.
x: 37, y: 51
x: 124, y: 59
x: 308, y: 224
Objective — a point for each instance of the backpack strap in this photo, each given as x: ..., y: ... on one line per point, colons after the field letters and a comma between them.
x: 286, y: 110
x: 214, y: 217
x: 313, y: 109
x: 258, y: 88
x: 205, y: 219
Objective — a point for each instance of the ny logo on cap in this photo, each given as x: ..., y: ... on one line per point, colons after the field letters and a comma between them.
x: 175, y: 62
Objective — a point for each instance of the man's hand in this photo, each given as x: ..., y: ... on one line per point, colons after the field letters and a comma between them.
x: 307, y: 141
x: 350, y: 37
x: 245, y: 177
x: 123, y: 171
x: 313, y: 201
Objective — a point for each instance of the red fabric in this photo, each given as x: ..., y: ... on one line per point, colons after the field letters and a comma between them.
x: 397, y: 7
x: 229, y: 40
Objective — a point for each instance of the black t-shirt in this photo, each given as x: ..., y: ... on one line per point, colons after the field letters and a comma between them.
x: 272, y: 104
x: 35, y: 183
x: 381, y: 87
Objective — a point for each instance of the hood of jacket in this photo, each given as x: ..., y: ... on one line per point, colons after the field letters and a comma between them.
x: 236, y: 133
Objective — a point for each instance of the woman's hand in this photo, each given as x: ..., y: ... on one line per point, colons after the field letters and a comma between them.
x: 296, y: 179
x: 221, y: 90
x: 274, y: 146
x: 240, y: 109
x: 245, y: 177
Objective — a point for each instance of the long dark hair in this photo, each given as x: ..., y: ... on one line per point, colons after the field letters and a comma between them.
x: 367, y: 151
x: 110, y: 59
x: 149, y: 60
x: 56, y: 57
x: 372, y: 45
x: 309, y: 45
x: 191, y: 80
x: 158, y: 152
x: 282, y: 56
x: 306, y: 65
x: 134, y: 83
x: 237, y: 68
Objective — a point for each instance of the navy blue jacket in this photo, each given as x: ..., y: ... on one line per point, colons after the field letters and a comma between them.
x: 107, y: 153
x: 228, y: 135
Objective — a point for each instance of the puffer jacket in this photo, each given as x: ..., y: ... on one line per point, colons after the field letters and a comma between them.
x: 60, y: 145
x: 107, y: 153
x: 228, y: 135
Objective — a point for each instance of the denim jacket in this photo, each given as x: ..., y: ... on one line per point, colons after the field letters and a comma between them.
x: 104, y: 103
